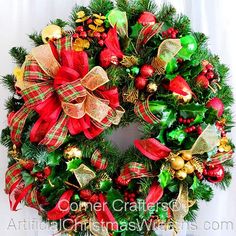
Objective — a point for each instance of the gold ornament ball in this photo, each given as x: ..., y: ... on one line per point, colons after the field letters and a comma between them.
x: 189, y: 168
x: 187, y: 155
x: 51, y: 32
x: 72, y: 152
x: 177, y: 163
x: 151, y: 88
x: 181, y: 174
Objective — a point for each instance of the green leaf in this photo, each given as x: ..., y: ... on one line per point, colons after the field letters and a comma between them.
x: 162, y: 213
x: 177, y: 136
x: 28, y: 179
x: 135, y: 30
x: 168, y: 118
x: 164, y: 178
x: 192, y: 110
x: 73, y: 164
x: 54, y: 158
x: 195, y: 185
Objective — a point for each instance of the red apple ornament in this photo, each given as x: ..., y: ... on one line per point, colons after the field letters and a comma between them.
x: 217, y: 105
x: 147, y: 18
x: 147, y: 70
x: 140, y: 82
x: 214, y: 173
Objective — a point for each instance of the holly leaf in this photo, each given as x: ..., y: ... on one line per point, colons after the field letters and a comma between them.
x: 54, y: 158
x: 196, y: 184
x: 164, y: 178
x: 162, y: 213
x: 177, y: 136
x: 192, y: 110
x: 168, y: 118
x: 73, y: 164
x: 135, y: 30
x: 28, y: 179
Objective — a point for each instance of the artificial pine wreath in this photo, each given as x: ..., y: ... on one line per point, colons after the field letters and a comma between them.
x: 109, y: 66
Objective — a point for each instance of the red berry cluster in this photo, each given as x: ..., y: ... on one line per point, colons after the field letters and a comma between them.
x: 193, y: 129
x: 186, y: 121
x: 129, y: 197
x: 90, y: 35
x: 170, y: 33
x: 220, y: 127
x: 41, y: 175
x: 208, y: 70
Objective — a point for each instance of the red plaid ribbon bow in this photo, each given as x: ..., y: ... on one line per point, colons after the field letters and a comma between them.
x: 63, y: 96
x: 17, y: 189
x: 133, y: 170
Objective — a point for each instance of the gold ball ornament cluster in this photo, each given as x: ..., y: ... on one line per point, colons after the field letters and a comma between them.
x: 72, y: 152
x: 181, y: 164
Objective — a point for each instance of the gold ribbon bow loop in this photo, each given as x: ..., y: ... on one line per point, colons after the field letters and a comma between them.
x: 89, y: 103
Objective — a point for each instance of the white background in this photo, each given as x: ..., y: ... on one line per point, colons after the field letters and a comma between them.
x: 216, y: 18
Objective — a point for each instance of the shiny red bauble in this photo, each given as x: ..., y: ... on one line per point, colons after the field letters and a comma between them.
x: 140, y: 82
x: 147, y: 18
x: 214, y: 173
x: 107, y: 58
x: 147, y: 70
x: 202, y: 81
x: 217, y: 105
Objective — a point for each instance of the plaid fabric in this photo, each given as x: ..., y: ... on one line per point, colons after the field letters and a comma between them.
x: 37, y: 94
x: 71, y: 91
x: 33, y: 72
x: 133, y: 170
x: 12, y: 177
x: 220, y: 158
x: 17, y: 122
x: 31, y: 199
x: 98, y: 161
x: 63, y: 43
x: 142, y: 110
x: 57, y: 134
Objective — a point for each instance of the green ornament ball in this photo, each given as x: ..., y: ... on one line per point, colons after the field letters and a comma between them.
x: 189, y: 46
x: 135, y: 70
x: 105, y: 185
x: 171, y: 66
x: 76, y: 197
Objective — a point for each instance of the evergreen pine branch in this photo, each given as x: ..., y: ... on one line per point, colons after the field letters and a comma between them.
x: 166, y: 13
x: 182, y: 23
x: 192, y: 213
x: 226, y: 95
x: 36, y: 38
x: 8, y: 81
x: 73, y: 15
x: 147, y: 5
x: 13, y: 104
x: 18, y: 54
x: 6, y: 138
x: 225, y: 183
x: 228, y: 163
x: 59, y: 22
x: 101, y: 6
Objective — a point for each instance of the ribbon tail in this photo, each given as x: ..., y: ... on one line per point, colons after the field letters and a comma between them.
x: 57, y: 134
x: 17, y: 122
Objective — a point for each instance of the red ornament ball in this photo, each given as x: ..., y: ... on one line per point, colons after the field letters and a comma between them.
x: 140, y: 82
x: 85, y: 194
x: 147, y: 70
x: 107, y: 57
x: 147, y: 18
x: 217, y: 105
x: 202, y: 81
x: 215, y: 173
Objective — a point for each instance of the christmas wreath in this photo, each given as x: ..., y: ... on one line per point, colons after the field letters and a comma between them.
x: 109, y: 66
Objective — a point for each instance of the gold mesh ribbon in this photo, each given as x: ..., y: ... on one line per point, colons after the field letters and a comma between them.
x: 96, y: 228
x: 182, y: 206
x: 84, y: 175
x: 90, y: 104
x: 166, y: 51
